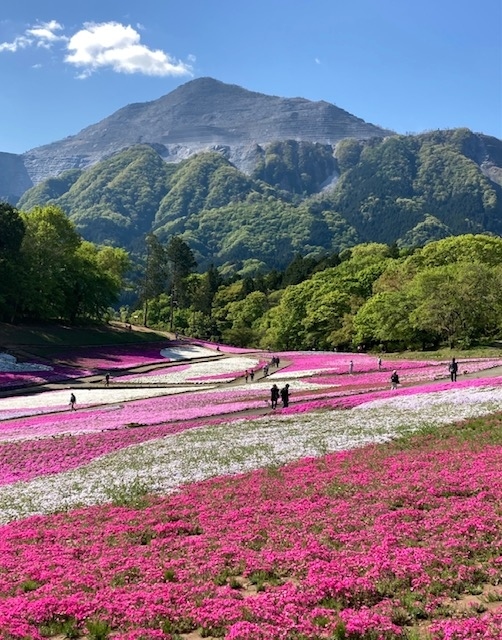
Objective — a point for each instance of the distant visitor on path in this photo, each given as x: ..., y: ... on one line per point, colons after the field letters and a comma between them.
x: 394, y: 380
x: 274, y: 396
x: 73, y: 400
x: 285, y: 395
x: 246, y: 375
x: 453, y: 369
x: 379, y: 362
x: 351, y: 367
x: 107, y: 379
x: 251, y: 375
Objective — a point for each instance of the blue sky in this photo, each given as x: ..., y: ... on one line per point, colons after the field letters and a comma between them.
x: 405, y: 65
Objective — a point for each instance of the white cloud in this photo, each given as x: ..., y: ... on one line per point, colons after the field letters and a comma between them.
x: 115, y: 46
x: 42, y: 34
x: 21, y: 42
x: 107, y: 45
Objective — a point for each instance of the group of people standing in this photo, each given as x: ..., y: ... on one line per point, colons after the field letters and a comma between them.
x: 283, y: 394
x: 274, y: 362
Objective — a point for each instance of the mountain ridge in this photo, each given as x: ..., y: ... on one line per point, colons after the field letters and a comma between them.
x: 406, y: 190
x: 201, y: 115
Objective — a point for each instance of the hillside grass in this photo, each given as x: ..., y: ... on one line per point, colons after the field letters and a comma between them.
x: 492, y: 350
x: 39, y: 339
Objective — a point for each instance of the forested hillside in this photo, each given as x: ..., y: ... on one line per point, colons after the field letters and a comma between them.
x: 373, y: 294
x: 302, y: 197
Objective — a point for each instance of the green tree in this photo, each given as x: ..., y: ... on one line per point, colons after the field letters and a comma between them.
x: 97, y: 277
x: 62, y: 277
x: 48, y: 248
x: 459, y: 303
x: 11, y: 237
x: 385, y: 319
x: 181, y: 262
x: 287, y: 329
x: 299, y: 269
x: 465, y: 248
x: 348, y: 152
x: 242, y: 315
x: 204, y: 290
x: 155, y: 274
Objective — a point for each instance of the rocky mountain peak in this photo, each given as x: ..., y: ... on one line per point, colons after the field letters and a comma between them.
x: 203, y: 114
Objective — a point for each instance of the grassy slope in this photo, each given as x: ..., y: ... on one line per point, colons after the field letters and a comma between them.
x: 40, y: 339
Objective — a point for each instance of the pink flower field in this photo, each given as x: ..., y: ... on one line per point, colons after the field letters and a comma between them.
x: 364, y: 541
x: 357, y: 513
x: 57, y: 373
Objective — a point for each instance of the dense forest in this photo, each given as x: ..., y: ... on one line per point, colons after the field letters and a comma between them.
x: 48, y: 273
x: 377, y: 295
x: 301, y: 198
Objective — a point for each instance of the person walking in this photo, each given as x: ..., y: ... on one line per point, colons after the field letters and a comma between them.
x: 453, y: 369
x: 351, y: 367
x: 73, y: 400
x: 394, y: 380
x: 274, y: 396
x: 379, y: 364
x: 251, y: 375
x: 246, y: 375
x: 285, y: 395
x: 107, y: 380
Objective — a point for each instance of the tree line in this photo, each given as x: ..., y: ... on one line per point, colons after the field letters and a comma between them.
x: 381, y: 296
x: 376, y: 295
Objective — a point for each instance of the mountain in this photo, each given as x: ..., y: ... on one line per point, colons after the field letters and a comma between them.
x: 201, y: 115
x: 302, y: 198
x: 14, y: 178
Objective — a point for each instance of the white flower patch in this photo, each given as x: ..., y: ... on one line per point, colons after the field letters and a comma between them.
x: 303, y: 373
x: 425, y: 401
x: 165, y: 464
x: 200, y: 372
x: 10, y: 364
x: 187, y: 352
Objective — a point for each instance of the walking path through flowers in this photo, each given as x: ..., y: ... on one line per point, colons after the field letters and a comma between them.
x: 180, y: 421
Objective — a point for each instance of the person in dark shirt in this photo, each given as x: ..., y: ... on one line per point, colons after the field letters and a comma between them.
x: 274, y: 396
x: 394, y: 380
x: 285, y: 395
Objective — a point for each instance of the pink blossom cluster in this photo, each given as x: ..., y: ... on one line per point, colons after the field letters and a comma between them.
x: 333, y: 364
x: 149, y: 411
x: 102, y: 358
x: 336, y: 362
x: 34, y: 459
x: 224, y: 348
x: 371, y: 540
x: 130, y: 377
x: 58, y: 373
